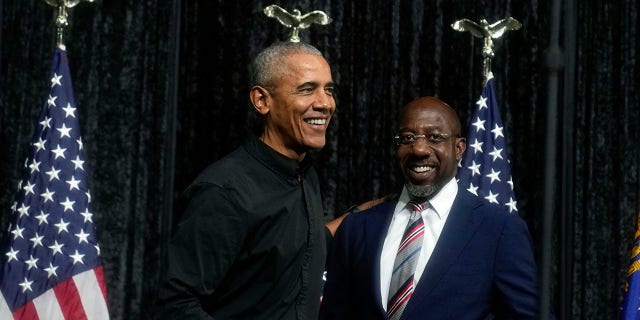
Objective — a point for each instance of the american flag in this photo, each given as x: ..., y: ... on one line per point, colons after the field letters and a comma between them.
x: 51, y: 265
x: 484, y: 169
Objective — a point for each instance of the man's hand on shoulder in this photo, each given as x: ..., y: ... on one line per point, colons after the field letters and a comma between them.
x: 335, y: 223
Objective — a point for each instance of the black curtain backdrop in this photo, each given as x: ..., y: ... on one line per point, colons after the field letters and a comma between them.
x: 162, y: 91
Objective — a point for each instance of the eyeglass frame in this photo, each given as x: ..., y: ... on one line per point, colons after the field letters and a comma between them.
x: 445, y: 137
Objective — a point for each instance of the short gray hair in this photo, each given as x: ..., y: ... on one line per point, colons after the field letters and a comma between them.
x: 267, y: 66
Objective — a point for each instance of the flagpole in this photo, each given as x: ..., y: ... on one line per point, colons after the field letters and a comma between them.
x: 61, y: 18
x: 61, y: 24
x: 554, y: 64
x: 166, y: 223
x: 567, y: 158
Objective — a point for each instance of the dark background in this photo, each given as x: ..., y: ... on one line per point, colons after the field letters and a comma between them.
x: 162, y: 91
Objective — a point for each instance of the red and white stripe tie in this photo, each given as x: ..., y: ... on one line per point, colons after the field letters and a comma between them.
x: 401, y: 286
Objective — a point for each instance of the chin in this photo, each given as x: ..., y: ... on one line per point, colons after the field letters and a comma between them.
x: 315, y: 144
x: 419, y: 191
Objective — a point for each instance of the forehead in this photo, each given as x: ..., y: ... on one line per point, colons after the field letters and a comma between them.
x: 306, y: 63
x: 424, y: 117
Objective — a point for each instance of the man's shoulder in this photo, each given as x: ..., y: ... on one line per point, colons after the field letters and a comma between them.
x: 232, y: 164
x: 475, y: 203
x: 483, y: 209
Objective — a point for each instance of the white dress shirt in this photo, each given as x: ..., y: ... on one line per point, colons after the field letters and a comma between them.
x: 434, y: 218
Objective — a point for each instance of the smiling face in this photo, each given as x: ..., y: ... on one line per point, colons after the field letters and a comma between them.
x: 298, y: 107
x: 428, y: 165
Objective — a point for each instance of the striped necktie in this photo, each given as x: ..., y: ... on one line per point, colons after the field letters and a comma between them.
x: 401, y: 286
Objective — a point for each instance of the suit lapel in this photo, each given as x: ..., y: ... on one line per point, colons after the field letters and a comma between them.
x: 377, y: 225
x: 460, y: 227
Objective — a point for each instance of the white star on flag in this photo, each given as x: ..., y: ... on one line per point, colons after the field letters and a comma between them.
x: 69, y: 111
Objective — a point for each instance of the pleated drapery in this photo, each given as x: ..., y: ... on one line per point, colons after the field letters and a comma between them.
x: 162, y: 91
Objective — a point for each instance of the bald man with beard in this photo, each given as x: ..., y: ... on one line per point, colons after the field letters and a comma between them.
x: 463, y: 259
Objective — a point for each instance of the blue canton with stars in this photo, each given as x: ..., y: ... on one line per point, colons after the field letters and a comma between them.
x: 484, y: 169
x: 51, y: 235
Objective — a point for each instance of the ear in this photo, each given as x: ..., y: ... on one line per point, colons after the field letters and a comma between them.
x: 461, y: 145
x: 259, y: 98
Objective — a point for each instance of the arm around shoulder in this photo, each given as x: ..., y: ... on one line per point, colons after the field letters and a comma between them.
x: 333, y: 225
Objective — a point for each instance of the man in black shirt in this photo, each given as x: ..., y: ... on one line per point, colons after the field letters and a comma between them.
x: 251, y: 244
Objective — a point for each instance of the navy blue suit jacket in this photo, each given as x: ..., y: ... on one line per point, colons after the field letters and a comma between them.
x: 482, y: 267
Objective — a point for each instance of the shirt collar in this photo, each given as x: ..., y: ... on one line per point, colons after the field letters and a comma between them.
x: 441, y: 202
x: 275, y: 161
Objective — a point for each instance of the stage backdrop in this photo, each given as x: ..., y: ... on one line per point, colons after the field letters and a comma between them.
x: 162, y: 91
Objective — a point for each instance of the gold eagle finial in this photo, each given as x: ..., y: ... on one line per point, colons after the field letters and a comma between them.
x: 296, y: 20
x: 487, y: 31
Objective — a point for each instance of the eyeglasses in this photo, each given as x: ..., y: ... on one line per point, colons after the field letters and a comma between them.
x: 408, y: 139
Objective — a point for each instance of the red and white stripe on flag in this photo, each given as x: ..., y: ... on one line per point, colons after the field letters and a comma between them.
x: 84, y: 296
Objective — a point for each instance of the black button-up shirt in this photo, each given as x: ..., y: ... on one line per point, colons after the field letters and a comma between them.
x: 251, y: 244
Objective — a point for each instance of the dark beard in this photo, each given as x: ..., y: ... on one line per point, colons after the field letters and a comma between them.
x: 420, y: 192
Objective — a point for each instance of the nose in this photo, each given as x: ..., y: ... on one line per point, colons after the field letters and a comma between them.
x: 421, y: 147
x: 323, y: 101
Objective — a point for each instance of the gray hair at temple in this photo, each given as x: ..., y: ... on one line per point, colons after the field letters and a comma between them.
x: 267, y: 66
